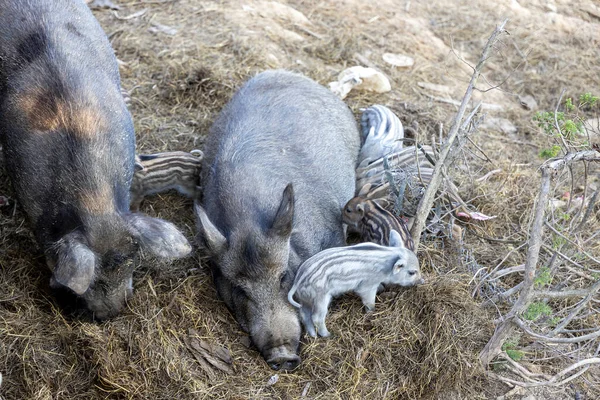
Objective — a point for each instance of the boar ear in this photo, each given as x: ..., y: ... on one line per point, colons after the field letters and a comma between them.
x: 159, y: 237
x: 75, y: 265
x: 208, y: 233
x: 395, y: 239
x: 282, y: 225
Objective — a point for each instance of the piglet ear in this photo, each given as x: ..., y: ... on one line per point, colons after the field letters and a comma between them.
x: 282, y: 225
x: 158, y: 237
x: 75, y: 265
x: 396, y: 239
x: 138, y: 166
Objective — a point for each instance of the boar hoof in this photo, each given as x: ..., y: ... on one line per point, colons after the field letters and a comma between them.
x: 284, y: 363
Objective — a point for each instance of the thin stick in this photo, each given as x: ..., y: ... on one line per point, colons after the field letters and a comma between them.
x: 583, y: 303
x: 565, y: 147
x: 427, y: 200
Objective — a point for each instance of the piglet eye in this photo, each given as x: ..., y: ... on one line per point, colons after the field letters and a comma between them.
x: 411, y: 273
x: 348, y: 210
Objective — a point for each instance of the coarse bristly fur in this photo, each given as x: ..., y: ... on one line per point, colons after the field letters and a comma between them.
x: 159, y: 172
x: 360, y: 268
x: 272, y: 198
x: 68, y: 146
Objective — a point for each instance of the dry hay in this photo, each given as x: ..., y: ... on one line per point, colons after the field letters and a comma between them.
x: 419, y: 343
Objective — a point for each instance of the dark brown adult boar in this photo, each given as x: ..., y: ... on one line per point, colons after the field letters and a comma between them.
x: 69, y: 150
x: 279, y: 166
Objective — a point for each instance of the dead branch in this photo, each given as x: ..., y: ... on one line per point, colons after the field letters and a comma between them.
x: 527, y: 293
x: 583, y: 303
x: 554, y: 381
x: 547, y: 339
x: 562, y: 294
x: 504, y: 330
x: 565, y: 147
x: 428, y: 198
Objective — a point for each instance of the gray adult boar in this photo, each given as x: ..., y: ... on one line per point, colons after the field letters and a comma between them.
x: 69, y: 150
x: 279, y: 165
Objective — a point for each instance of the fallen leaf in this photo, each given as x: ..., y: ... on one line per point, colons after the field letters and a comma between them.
x: 131, y: 16
x: 203, y: 364
x: 211, y: 354
x: 434, y: 87
x: 474, y: 215
x: 360, y: 78
x: 398, y: 60
x: 528, y: 102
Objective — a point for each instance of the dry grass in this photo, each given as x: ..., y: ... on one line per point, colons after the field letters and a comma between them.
x: 419, y: 343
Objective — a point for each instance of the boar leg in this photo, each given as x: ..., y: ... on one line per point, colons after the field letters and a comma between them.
x: 319, y: 313
x: 306, y: 316
x: 136, y: 202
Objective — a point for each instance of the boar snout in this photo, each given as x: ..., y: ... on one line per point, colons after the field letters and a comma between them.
x: 284, y: 362
x: 277, y: 335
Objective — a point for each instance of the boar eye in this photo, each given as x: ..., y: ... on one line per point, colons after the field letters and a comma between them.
x: 284, y: 277
x: 348, y: 210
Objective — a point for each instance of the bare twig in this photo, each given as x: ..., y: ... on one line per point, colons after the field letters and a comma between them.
x: 554, y: 381
x: 565, y: 146
x: 428, y: 198
x: 572, y: 314
x: 589, y: 209
x: 548, y: 339
x: 562, y: 294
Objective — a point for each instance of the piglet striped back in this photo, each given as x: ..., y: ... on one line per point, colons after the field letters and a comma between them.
x: 377, y: 224
x: 160, y: 172
x: 382, y: 134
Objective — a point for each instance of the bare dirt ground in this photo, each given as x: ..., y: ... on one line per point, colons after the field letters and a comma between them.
x: 181, y: 61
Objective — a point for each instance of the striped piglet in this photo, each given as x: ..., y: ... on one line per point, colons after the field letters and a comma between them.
x: 156, y: 173
x: 382, y: 134
x: 360, y: 268
x: 374, y: 223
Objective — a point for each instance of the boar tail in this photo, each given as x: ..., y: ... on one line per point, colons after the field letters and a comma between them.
x: 291, y: 297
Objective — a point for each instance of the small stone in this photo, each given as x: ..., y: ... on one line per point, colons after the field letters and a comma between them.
x: 156, y: 27
x: 398, y: 60
x: 502, y: 125
x: 360, y: 78
x: 434, y: 87
x: 273, y: 380
x: 528, y: 102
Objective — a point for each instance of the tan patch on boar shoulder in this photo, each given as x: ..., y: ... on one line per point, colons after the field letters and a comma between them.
x: 97, y: 201
x: 44, y: 112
